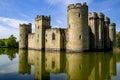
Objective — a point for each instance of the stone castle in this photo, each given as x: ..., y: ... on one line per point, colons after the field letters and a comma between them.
x: 85, y: 31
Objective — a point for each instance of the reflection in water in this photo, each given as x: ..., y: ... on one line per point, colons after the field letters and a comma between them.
x: 10, y: 52
x: 24, y: 67
x: 77, y: 66
x: 55, y: 61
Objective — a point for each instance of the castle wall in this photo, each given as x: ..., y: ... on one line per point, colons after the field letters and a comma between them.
x: 101, y: 31
x: 112, y: 35
x: 54, y: 39
x: 106, y: 33
x: 31, y: 41
x: 79, y: 36
x: 41, y: 23
x: 24, y: 30
x: 93, y: 24
x: 78, y: 33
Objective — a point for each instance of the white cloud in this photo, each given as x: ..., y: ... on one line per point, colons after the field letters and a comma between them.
x: 10, y: 26
x: 12, y: 22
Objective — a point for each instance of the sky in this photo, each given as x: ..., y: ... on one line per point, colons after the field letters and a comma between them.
x: 15, y: 12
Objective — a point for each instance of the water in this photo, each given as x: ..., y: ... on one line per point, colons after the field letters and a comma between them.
x: 37, y: 65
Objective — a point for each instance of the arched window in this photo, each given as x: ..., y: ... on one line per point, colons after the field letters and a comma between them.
x: 53, y: 36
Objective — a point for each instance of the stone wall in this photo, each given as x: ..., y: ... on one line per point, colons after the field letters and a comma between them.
x: 31, y: 41
x: 54, y: 39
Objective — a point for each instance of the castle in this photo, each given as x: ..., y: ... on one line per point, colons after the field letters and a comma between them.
x: 85, y: 31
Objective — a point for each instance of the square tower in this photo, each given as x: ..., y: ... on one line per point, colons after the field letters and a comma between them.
x: 41, y: 24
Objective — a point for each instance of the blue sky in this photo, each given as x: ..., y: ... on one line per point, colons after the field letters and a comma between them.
x: 14, y: 12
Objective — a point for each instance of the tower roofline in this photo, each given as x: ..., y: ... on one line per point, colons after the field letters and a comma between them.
x: 42, y: 17
x: 93, y: 15
x: 112, y: 24
x: 101, y: 15
x: 77, y: 5
x: 107, y: 19
x: 24, y: 24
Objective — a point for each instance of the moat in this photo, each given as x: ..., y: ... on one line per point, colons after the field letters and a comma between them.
x: 37, y: 65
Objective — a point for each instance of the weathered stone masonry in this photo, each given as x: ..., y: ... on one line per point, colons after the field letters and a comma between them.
x: 85, y: 31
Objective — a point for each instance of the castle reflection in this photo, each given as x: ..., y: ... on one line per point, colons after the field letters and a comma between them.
x: 77, y: 66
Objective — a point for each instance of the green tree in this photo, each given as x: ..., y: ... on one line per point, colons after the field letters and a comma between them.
x: 2, y: 43
x: 118, y: 39
x: 11, y: 42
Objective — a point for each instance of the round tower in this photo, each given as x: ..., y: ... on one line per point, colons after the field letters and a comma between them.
x: 93, y: 24
x: 101, y: 31
x: 112, y: 35
x: 106, y: 32
x: 24, y: 30
x: 78, y: 33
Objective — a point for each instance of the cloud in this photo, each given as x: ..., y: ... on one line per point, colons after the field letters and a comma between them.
x: 9, y: 26
x: 12, y: 22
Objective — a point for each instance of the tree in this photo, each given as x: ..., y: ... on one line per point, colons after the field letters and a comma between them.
x: 2, y: 43
x: 10, y: 42
x: 118, y: 39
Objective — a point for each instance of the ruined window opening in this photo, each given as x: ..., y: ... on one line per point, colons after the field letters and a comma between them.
x: 80, y: 37
x: 38, y: 27
x: 69, y: 26
x: 79, y: 14
x: 53, y: 64
x: 53, y: 36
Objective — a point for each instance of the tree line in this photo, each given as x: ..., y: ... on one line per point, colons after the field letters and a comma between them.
x: 9, y: 42
x: 118, y: 39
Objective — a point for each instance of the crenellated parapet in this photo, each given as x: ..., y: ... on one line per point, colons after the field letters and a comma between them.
x: 77, y: 5
x: 112, y: 24
x: 101, y: 16
x: 25, y: 25
x: 107, y: 20
x: 92, y: 15
x: 42, y: 17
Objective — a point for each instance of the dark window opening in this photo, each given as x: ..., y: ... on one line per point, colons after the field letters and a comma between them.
x: 79, y: 14
x: 69, y: 26
x: 46, y: 40
x: 80, y: 37
x: 53, y: 36
x: 53, y: 64
x: 38, y: 27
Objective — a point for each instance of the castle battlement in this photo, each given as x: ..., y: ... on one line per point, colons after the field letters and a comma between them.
x: 101, y: 15
x: 107, y: 19
x: 77, y: 5
x: 42, y: 17
x: 25, y: 25
x: 93, y: 15
x: 112, y: 25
